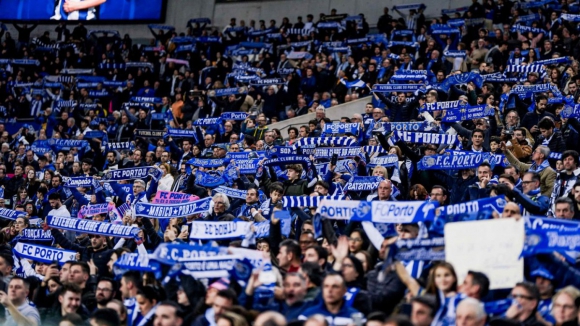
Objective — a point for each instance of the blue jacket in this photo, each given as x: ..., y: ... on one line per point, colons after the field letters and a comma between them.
x: 535, y: 205
x: 342, y: 318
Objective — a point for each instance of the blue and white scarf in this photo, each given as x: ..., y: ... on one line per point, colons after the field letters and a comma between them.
x: 237, y: 116
x: 144, y: 99
x: 426, y: 138
x: 267, y: 82
x: 76, y: 182
x: 459, y: 79
x: 169, y: 253
x: 360, y: 183
x: 133, y: 261
x: 525, y: 29
x: 171, y: 211
x: 206, y: 163
x: 378, y: 211
x: 208, y: 122
x: 408, y: 126
x: 118, y: 146
x: 468, y: 113
x: 10, y: 214
x: 318, y: 141
x: 28, y: 235
x: 231, y: 192
x: 92, y: 227
x: 178, y: 133
x: 328, y: 152
x: 420, y: 249
x: 389, y: 88
x: 538, y: 169
x: 306, y: 201
x: 547, y: 240
x: 132, y: 173
x: 249, y: 166
x: 341, y: 128
x: 43, y: 254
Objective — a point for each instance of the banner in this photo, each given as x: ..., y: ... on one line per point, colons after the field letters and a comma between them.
x: 95, y: 209
x: 420, y: 249
x: 171, y: 253
x: 92, y: 227
x: 409, y: 126
x: 118, y: 146
x: 209, y: 267
x: 170, y: 197
x: 132, y: 173
x: 173, y: 210
x: 29, y: 234
x: 327, y: 152
x: 219, y: 230
x: 43, y: 254
x: 378, y: 211
x: 206, y: 163
x: 231, y: 192
x: 497, y: 244
x: 319, y: 141
x: 178, y: 133
x: 389, y: 88
x: 133, y: 261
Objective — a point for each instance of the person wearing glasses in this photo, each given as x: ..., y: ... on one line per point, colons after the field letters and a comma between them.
x: 531, y: 199
x: 523, y: 310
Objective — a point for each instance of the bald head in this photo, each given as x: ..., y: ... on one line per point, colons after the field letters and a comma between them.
x: 270, y: 318
x: 511, y: 209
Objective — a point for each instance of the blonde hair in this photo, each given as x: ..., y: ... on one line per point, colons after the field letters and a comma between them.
x: 570, y: 290
x: 166, y: 166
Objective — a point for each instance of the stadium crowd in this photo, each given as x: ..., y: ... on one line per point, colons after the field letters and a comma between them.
x: 143, y: 184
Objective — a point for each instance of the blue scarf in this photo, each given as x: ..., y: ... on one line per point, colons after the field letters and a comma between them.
x: 420, y: 249
x: 144, y: 99
x: 249, y: 166
x: 389, y: 88
x: 177, y: 133
x: 206, y: 163
x: 306, y: 201
x: 132, y: 261
x: 33, y: 235
x: 468, y: 113
x: 92, y: 227
x: 464, y: 78
x: 207, y: 122
x: 118, y: 146
x: 445, y: 105
x: 268, y: 82
x: 327, y: 152
x: 378, y: 211
x: 425, y: 138
x: 237, y: 116
x: 209, y: 180
x: 43, y: 254
x: 538, y: 169
x: 10, y: 214
x: 366, y: 183
x: 336, y: 141
x: 173, y: 210
x: 132, y: 173
x: 408, y: 126
x: 76, y: 182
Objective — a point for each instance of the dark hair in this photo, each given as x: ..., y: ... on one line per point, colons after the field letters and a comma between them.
x: 24, y: 281
x: 443, y: 189
x: 8, y: 258
x: 399, y: 320
x: 106, y: 317
x: 574, y: 154
x: 277, y: 187
x: 133, y: 277
x: 110, y: 280
x: 541, y: 96
x: 70, y: 287
x: 322, y: 183
x: 485, y: 164
x: 509, y: 177
x: 313, y: 271
x: 73, y: 318
x: 478, y: 278
x: 293, y: 247
x: 54, y: 196
x: 178, y: 311
x: 428, y: 300
x: 150, y: 293
x: 228, y: 294
x: 531, y: 288
x: 477, y: 131
x: 320, y: 251
x: 565, y: 200
x: 535, y: 176
x: 513, y: 167
x: 546, y: 123
x: 84, y: 266
x: 293, y: 128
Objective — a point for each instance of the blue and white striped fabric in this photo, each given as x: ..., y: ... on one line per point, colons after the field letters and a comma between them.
x: 336, y: 141
x: 306, y: 201
x: 525, y: 69
x: 353, y: 84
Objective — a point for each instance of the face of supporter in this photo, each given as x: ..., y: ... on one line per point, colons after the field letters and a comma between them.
x: 166, y: 316
x: 385, y: 190
x: 145, y: 304
x: 321, y: 190
x: 104, y: 292
x: 76, y: 275
x: 468, y: 288
x: 541, y: 105
x: 292, y: 174
x: 563, y: 211
x: 70, y: 301
x: 483, y: 172
x: 16, y: 291
x: 355, y: 242
x: 52, y: 286
x: 294, y: 289
x: 310, y: 255
x: 577, y: 194
x: 306, y: 240
x: 348, y: 270
x: 137, y: 188
x: 420, y: 314
x: 529, y: 185
x: 284, y: 258
x: 444, y: 279
x: 569, y: 163
x: 221, y: 305
x: 477, y: 139
x: 524, y: 299
x: 466, y: 316
x: 333, y: 290
x: 219, y: 206
x: 564, y: 309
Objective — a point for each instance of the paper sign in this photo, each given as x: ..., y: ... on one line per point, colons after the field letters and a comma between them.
x: 492, y: 247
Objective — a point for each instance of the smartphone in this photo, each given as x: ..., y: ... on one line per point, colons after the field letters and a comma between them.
x: 184, y: 228
x: 334, y: 159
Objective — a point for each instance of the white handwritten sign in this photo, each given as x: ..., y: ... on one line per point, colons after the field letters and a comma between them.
x: 492, y: 247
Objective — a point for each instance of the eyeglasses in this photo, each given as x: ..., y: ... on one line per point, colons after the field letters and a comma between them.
x: 355, y: 239
x: 104, y: 290
x: 348, y: 265
x: 517, y: 296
